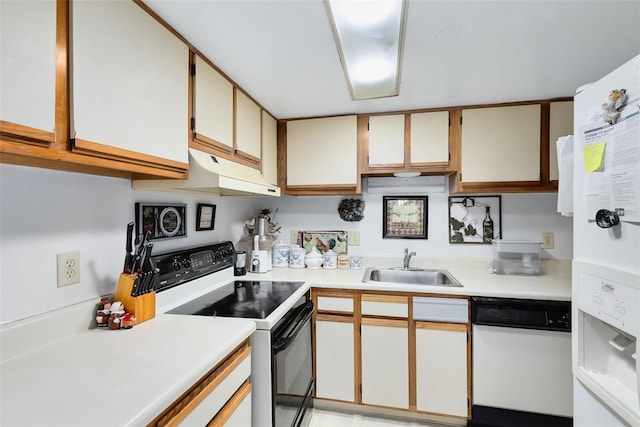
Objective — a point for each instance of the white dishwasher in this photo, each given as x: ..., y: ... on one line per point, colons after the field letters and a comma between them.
x: 521, y: 362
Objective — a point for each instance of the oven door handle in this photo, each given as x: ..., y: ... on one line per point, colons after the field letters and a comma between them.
x: 303, y: 317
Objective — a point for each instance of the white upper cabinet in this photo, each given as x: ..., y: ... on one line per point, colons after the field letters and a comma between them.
x: 560, y: 124
x: 129, y: 80
x: 322, y: 152
x: 386, y: 140
x: 213, y: 106
x: 248, y: 132
x: 501, y: 144
x: 429, y: 137
x: 417, y: 142
x: 269, y: 148
x: 28, y: 70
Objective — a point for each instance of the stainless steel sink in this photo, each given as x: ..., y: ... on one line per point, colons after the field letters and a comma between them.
x: 411, y: 276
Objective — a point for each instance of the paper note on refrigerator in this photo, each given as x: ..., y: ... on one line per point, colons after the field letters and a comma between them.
x: 611, y: 155
x: 593, y: 156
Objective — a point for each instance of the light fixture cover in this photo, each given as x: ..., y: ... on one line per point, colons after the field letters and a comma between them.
x: 369, y: 35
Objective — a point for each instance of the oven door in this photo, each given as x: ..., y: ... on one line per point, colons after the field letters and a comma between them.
x: 293, y: 381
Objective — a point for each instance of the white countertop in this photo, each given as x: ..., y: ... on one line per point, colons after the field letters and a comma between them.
x: 553, y: 282
x: 115, y: 378
x: 55, y: 371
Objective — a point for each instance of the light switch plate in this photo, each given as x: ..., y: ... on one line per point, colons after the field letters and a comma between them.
x: 354, y: 238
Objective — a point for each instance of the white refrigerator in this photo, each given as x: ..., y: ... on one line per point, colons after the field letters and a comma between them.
x: 606, y: 251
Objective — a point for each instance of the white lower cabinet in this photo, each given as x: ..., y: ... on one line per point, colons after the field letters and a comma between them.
x: 335, y: 355
x: 385, y: 363
x: 441, y: 368
x: 220, y: 398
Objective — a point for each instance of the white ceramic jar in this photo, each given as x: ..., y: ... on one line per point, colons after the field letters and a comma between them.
x: 296, y: 258
x: 280, y: 254
x: 313, y: 259
x: 330, y: 260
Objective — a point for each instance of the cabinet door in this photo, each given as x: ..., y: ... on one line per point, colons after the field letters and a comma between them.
x: 501, y: 144
x: 28, y: 68
x: 429, y: 137
x: 269, y: 148
x: 441, y: 368
x: 335, y: 358
x: 213, y: 107
x: 322, y: 152
x: 386, y: 140
x: 130, y: 82
x: 385, y: 362
x: 560, y: 124
x: 247, y: 128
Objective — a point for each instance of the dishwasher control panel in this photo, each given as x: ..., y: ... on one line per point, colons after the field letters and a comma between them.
x: 521, y: 313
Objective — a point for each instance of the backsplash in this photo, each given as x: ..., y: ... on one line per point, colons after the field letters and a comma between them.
x: 46, y: 212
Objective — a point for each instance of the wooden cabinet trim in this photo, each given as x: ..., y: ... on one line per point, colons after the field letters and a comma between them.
x: 337, y: 293
x: 209, y: 144
x: 24, y: 134
x: 196, y: 394
x: 393, y: 323
x: 326, y: 317
x: 232, y: 405
x: 127, y: 157
x: 452, y: 327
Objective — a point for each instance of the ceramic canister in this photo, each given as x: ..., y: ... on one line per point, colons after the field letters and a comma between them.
x: 330, y: 260
x: 280, y: 254
x: 343, y: 262
x: 356, y: 262
x: 296, y: 258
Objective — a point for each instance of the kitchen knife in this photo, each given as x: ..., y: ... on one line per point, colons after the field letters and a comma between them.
x: 128, y: 260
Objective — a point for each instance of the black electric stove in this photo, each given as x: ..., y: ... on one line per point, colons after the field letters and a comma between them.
x: 241, y: 298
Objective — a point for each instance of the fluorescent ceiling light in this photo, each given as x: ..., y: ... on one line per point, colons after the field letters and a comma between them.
x: 369, y: 36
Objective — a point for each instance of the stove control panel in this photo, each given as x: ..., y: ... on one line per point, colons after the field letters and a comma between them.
x: 181, y: 266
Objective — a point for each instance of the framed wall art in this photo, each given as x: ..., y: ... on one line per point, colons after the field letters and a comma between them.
x: 205, y: 217
x: 475, y: 219
x: 404, y: 217
x: 164, y: 221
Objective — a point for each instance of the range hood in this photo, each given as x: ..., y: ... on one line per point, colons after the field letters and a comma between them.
x: 214, y: 175
x: 406, y: 185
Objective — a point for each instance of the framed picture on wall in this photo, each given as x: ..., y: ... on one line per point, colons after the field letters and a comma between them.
x: 205, y: 217
x: 163, y: 221
x: 404, y: 217
x: 475, y: 219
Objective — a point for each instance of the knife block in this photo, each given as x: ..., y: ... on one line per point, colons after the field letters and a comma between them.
x: 142, y: 306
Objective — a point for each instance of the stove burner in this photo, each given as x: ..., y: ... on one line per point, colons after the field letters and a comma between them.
x: 242, y: 298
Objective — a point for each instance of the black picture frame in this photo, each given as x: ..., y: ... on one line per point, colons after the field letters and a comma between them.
x: 162, y: 220
x: 205, y: 217
x: 405, y: 217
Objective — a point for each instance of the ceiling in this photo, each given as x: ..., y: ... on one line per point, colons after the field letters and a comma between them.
x: 456, y: 53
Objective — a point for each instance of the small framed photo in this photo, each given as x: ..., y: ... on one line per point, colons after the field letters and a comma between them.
x: 205, y: 217
x: 404, y: 217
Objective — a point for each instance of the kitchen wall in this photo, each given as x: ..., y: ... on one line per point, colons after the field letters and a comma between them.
x: 45, y: 212
x: 524, y: 217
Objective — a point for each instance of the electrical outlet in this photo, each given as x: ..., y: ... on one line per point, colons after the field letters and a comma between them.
x: 354, y: 238
x: 294, y: 237
x: 547, y: 240
x: 68, y: 268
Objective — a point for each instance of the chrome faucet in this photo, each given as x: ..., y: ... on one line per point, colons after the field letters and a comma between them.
x: 407, y: 258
